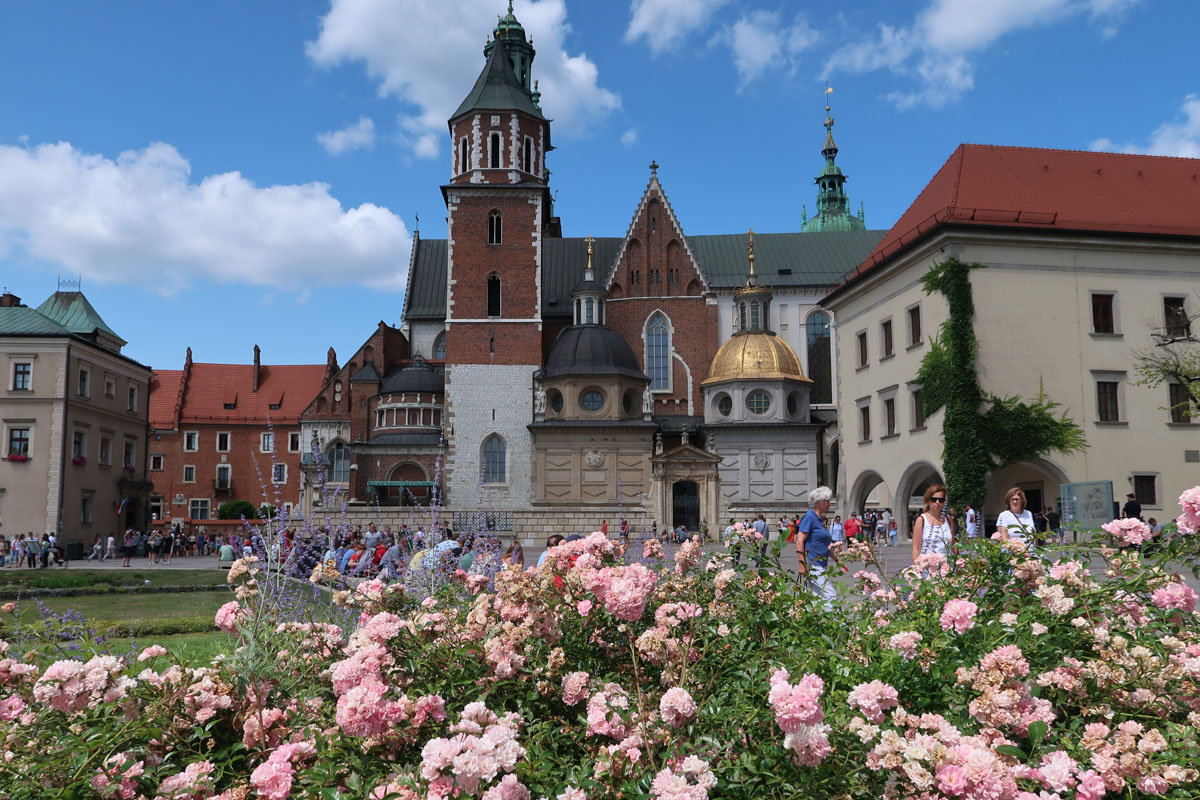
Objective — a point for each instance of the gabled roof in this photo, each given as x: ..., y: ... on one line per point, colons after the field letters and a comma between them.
x: 1028, y: 188
x: 25, y: 321
x: 498, y: 89
x: 210, y: 386
x: 164, y: 391
x: 73, y: 311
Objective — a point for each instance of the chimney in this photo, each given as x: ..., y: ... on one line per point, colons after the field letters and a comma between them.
x: 254, y: 388
x: 9, y: 300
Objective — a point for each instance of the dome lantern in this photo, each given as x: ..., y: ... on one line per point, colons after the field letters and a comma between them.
x: 588, y: 297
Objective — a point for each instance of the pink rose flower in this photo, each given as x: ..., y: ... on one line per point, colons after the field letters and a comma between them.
x: 959, y: 614
x: 873, y: 699
x: 676, y: 708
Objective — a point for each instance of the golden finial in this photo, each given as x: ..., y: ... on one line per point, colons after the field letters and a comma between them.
x: 589, y: 240
x: 828, y: 91
x: 752, y: 255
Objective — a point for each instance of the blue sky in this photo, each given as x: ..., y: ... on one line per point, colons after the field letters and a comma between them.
x: 223, y: 174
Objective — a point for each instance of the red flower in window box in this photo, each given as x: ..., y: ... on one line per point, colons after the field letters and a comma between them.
x: 18, y: 457
x: 79, y: 460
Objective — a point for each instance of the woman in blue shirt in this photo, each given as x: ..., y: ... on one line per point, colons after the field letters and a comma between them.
x: 812, y: 545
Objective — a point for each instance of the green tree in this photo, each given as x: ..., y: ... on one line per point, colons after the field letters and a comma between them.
x: 236, y: 509
x: 1174, y: 360
x: 980, y: 432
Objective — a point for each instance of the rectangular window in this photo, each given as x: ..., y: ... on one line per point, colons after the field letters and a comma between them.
x: 1179, y: 403
x: 1145, y: 489
x: 129, y: 458
x: 85, y: 376
x: 22, y: 376
x: 1175, y: 318
x: 156, y: 463
x: 224, y: 476
x: 862, y: 348
x: 268, y: 442
x: 191, y: 441
x: 133, y: 399
x: 223, y: 442
x: 889, y: 416
x: 110, y: 386
x: 106, y: 451
x: 914, y: 326
x: 79, y: 444
x: 198, y: 508
x: 18, y: 441
x: 885, y: 332
x: 293, y: 442
x: 189, y: 474
x: 864, y: 423
x: 918, y: 409
x: 85, y: 509
x: 1107, y: 401
x: 1103, y: 319
x: 279, y: 473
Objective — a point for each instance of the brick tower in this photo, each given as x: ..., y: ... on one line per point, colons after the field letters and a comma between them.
x: 498, y: 211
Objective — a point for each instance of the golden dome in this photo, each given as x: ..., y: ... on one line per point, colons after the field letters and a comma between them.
x: 755, y: 356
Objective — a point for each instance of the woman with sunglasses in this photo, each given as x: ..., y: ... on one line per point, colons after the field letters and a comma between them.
x: 933, y: 531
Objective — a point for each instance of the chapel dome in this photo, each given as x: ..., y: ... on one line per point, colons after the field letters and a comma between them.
x: 758, y: 355
x: 416, y: 377
x: 591, y: 350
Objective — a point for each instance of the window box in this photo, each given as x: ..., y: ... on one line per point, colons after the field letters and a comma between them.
x: 79, y: 461
x: 17, y: 457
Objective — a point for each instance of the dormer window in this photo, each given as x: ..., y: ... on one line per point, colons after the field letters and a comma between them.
x: 495, y: 228
x: 494, y: 154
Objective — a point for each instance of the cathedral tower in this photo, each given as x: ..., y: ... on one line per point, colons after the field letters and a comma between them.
x: 833, y: 204
x: 498, y: 212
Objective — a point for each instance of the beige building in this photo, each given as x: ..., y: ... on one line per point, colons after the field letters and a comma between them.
x: 1082, y: 257
x: 74, y: 417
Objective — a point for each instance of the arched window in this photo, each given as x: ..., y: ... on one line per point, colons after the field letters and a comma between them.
x: 493, y: 295
x: 658, y: 352
x: 462, y: 155
x: 492, y: 469
x: 527, y: 156
x: 339, y: 463
x: 820, y: 358
x: 494, y: 155
x: 439, y: 346
x: 591, y: 310
x: 495, y: 228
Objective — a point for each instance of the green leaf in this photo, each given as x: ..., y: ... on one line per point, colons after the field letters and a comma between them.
x: 1010, y: 750
x: 1037, y: 732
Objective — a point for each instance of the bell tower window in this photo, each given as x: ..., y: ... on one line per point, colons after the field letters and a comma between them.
x: 527, y: 156
x: 493, y: 295
x: 462, y: 155
x: 495, y: 228
x: 494, y: 155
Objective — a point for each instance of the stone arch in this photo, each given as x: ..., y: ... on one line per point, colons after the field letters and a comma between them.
x: 1042, y: 477
x: 918, y: 476
x: 414, y: 495
x: 694, y: 289
x: 865, y: 485
x: 615, y: 291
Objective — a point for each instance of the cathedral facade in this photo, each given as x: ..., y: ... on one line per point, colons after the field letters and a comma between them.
x: 658, y: 375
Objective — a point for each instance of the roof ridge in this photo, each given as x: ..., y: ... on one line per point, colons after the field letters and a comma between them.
x: 1104, y: 153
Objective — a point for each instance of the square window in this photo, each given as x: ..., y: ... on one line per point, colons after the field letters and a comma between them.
x: 198, y: 508
x: 1107, y: 401
x: 1175, y: 317
x: 191, y: 441
x: 223, y: 442
x: 267, y: 444
x: 914, y: 326
x: 293, y: 442
x: 156, y: 463
x: 862, y: 348
x: 189, y: 474
x: 1103, y: 318
x: 18, y: 441
x: 22, y: 376
x: 1145, y: 489
x: 1179, y: 403
x: 885, y: 333
x: 279, y: 473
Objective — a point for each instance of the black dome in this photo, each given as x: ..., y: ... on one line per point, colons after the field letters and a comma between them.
x: 418, y: 377
x: 592, y: 350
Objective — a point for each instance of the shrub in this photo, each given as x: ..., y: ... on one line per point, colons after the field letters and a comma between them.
x: 237, y: 509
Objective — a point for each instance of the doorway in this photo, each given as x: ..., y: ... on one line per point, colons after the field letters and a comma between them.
x: 685, y: 505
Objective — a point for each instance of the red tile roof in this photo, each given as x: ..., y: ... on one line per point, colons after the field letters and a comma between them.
x: 1051, y: 190
x: 210, y: 387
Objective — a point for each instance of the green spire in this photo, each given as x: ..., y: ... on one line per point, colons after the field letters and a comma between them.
x: 833, y: 204
x: 520, y: 51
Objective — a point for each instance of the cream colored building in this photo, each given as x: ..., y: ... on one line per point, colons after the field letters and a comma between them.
x: 1082, y: 256
x: 74, y: 417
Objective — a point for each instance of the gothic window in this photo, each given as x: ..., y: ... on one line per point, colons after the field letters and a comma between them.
x: 820, y: 355
x: 527, y: 156
x: 492, y: 469
x: 339, y: 463
x: 658, y: 352
x: 462, y: 155
x: 494, y: 155
x: 439, y: 346
x: 495, y: 228
x: 493, y: 295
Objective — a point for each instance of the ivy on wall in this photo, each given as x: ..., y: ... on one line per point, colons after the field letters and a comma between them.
x: 980, y: 432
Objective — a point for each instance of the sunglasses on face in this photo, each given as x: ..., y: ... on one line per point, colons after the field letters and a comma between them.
x: 937, y: 499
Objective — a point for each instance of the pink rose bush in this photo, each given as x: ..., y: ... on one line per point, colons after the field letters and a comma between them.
x: 1127, y: 532
x: 607, y: 674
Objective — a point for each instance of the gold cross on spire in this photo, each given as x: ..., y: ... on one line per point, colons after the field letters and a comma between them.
x: 589, y: 241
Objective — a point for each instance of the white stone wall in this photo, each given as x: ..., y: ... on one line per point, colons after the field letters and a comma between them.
x: 482, y: 400
x: 421, y: 336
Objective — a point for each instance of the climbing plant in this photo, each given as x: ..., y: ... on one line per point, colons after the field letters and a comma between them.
x: 980, y: 431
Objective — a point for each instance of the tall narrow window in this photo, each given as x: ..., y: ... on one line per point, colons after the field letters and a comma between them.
x: 1180, y: 403
x: 494, y: 155
x: 462, y: 155
x: 493, y: 295
x: 864, y: 423
x: 493, y: 467
x: 591, y: 311
x: 754, y: 316
x: 22, y: 376
x: 439, y: 346
x: 889, y: 416
x: 339, y: 463
x: 885, y: 330
x: 918, y: 409
x: 658, y: 353
x: 741, y: 316
x: 527, y: 156
x: 914, y: 326
x: 862, y: 349
x: 820, y: 358
x: 1103, y: 320
x: 495, y: 228
x: 1175, y: 316
x: 1107, y: 401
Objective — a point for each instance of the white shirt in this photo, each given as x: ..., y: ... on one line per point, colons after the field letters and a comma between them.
x: 972, y: 522
x: 1014, y: 524
x: 935, y: 537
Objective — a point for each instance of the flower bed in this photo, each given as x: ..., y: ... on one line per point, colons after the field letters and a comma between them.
x: 998, y: 676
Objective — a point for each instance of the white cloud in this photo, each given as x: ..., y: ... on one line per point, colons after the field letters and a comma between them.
x: 760, y: 40
x: 629, y: 137
x: 940, y: 44
x: 428, y: 54
x: 140, y: 219
x: 1180, y: 137
x: 665, y: 23
x: 358, y: 136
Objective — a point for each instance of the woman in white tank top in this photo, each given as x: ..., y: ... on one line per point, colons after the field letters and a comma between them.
x: 932, y: 532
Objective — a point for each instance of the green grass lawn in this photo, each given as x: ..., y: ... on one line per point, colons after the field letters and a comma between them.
x: 57, y: 578
x: 144, y: 614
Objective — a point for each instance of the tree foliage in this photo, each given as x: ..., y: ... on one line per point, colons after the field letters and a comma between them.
x: 1175, y: 359
x: 236, y: 509
x: 980, y: 432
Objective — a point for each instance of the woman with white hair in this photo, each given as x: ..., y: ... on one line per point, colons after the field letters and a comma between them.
x: 812, y: 545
